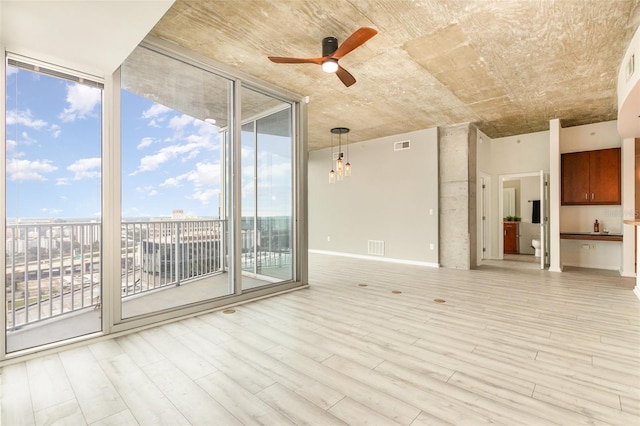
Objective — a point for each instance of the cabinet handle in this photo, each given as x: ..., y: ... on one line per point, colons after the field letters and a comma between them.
x: 592, y: 196
x: 505, y: 232
x: 586, y: 196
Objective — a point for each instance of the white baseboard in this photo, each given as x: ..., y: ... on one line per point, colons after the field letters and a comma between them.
x: 636, y: 290
x: 377, y: 258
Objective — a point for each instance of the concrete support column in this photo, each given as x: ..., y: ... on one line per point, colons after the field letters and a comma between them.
x: 457, y: 191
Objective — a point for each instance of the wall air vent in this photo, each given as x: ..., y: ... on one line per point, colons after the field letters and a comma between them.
x: 402, y: 145
x: 375, y: 247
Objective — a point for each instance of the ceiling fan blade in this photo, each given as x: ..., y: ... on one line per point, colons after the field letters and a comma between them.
x: 353, y: 41
x: 345, y: 76
x: 284, y: 60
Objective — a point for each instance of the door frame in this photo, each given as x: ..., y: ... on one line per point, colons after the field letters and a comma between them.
x: 498, y: 219
x: 484, y: 217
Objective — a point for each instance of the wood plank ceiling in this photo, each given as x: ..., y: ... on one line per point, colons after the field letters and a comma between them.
x: 509, y: 66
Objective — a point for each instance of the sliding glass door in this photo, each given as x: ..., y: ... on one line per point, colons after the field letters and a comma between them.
x: 186, y: 205
x: 173, y: 184
x: 267, y: 191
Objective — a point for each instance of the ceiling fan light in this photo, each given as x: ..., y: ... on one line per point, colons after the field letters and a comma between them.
x: 330, y: 65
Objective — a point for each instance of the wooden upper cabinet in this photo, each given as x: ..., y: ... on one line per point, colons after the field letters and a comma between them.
x: 591, y: 177
x: 575, y: 178
x: 604, y: 176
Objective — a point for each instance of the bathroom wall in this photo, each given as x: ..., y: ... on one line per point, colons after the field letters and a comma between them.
x: 529, y: 191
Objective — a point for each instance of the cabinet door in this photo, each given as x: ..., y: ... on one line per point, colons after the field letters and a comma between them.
x: 510, y: 244
x: 604, y: 176
x: 575, y: 178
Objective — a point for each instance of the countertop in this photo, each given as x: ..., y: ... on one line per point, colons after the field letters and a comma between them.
x: 599, y: 236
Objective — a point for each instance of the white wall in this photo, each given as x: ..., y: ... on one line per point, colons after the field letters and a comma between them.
x: 392, y: 196
x: 590, y: 254
x: 92, y: 37
x: 629, y: 90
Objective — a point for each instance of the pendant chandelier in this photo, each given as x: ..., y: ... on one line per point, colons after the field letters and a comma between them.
x: 340, y: 169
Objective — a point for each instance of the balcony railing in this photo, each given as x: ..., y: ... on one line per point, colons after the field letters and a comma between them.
x: 161, y: 254
x: 52, y: 269
x: 55, y: 268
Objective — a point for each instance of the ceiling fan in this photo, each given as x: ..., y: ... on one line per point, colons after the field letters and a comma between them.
x: 331, y: 54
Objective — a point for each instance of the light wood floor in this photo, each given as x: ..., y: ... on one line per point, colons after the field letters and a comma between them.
x: 508, y: 347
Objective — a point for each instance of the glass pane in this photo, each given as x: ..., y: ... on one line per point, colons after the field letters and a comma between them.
x: 53, y: 208
x: 267, y: 209
x: 173, y: 224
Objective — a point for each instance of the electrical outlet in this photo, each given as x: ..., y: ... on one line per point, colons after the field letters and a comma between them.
x: 585, y: 246
x: 592, y: 246
x: 432, y: 246
x: 328, y: 238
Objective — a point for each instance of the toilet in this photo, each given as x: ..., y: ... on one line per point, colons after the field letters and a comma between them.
x: 536, y: 246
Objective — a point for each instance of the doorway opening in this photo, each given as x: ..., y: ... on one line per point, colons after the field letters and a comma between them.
x: 523, y: 206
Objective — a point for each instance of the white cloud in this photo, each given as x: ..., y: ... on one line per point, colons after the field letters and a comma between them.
x: 179, y: 122
x: 24, y: 118
x: 192, y: 155
x: 205, y: 174
x: 86, y: 168
x: 11, y: 145
x: 11, y: 70
x: 155, y: 110
x: 145, y: 142
x: 148, y: 190
x: 26, y: 139
x: 152, y: 162
x: 205, y: 179
x: 52, y: 212
x: 20, y: 170
x: 55, y: 130
x: 204, y: 196
x: 171, y: 183
x: 144, y: 189
x: 63, y: 181
x: 82, y: 101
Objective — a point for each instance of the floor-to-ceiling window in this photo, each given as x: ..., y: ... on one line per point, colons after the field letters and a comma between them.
x: 173, y: 227
x: 161, y: 206
x: 179, y: 205
x: 267, y: 190
x: 52, y: 205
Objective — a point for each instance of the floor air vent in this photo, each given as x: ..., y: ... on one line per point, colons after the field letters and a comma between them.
x: 375, y: 247
x: 402, y: 145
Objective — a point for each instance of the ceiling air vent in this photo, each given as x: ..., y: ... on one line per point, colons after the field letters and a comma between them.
x: 402, y: 145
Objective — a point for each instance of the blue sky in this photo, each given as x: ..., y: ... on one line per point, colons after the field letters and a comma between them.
x: 169, y: 160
